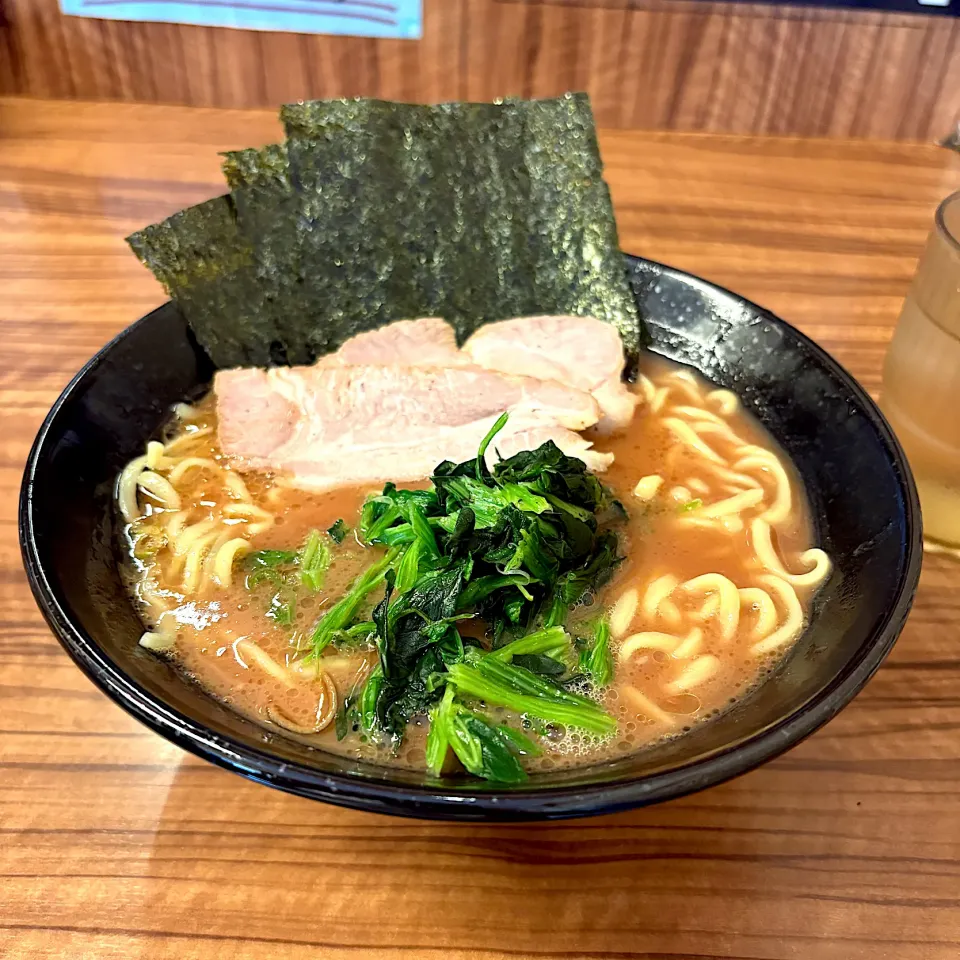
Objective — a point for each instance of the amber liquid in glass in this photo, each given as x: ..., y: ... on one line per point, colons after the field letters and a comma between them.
x: 921, y: 378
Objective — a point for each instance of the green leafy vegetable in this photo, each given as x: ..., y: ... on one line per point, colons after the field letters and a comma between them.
x: 271, y: 566
x: 367, y: 702
x: 285, y: 571
x: 278, y: 569
x: 540, y: 664
x: 498, y: 425
x: 314, y: 560
x: 595, y: 660
x: 345, y: 715
x: 522, y: 744
x: 516, y: 547
x: 343, y: 611
x: 281, y: 609
x: 438, y: 741
x: 338, y: 531
x: 485, y: 750
x: 553, y: 642
x: 524, y: 692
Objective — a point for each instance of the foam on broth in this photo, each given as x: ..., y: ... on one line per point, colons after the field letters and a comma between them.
x: 678, y: 662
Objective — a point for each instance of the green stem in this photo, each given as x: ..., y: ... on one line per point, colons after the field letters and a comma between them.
x: 344, y: 610
x: 587, y: 715
x: 550, y: 642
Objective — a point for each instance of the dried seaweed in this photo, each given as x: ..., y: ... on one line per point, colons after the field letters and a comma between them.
x: 577, y: 260
x: 208, y: 268
x: 375, y: 211
x: 268, y: 217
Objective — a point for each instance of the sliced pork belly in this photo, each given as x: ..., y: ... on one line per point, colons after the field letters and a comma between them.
x: 428, y: 342
x: 579, y: 351
x: 334, y: 425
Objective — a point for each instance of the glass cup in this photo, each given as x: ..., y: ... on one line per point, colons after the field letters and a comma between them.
x: 921, y: 377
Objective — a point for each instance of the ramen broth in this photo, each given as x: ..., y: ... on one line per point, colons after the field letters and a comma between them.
x: 717, y: 580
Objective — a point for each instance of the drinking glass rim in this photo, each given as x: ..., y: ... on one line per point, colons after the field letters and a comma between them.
x: 941, y: 220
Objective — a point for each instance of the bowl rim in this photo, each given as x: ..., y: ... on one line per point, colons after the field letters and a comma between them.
x: 436, y: 802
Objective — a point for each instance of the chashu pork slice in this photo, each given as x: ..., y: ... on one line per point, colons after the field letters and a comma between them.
x: 427, y: 342
x: 579, y: 351
x: 331, y: 426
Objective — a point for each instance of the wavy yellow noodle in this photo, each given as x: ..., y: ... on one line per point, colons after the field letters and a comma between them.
x: 757, y: 458
x: 725, y: 401
x: 728, y: 610
x: 758, y: 601
x: 697, y: 672
x: 659, y: 398
x: 646, y: 388
x: 696, y: 413
x: 225, y: 557
x: 236, y: 487
x: 244, y: 648
x: 688, y: 436
x: 733, y: 477
x: 691, y: 644
x: 816, y: 559
x: 657, y: 591
x: 184, y: 466
x: 198, y: 543
x: 648, y: 640
x: 686, y: 383
x: 325, y: 712
x: 160, y: 488
x: 623, y: 612
x: 735, y: 504
x: 127, y: 489
x: 722, y: 430
x: 644, y: 706
x: 174, y: 447
x: 155, y: 454
x: 792, y: 625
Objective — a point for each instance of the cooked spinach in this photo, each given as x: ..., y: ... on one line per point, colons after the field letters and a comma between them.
x: 286, y: 571
x: 268, y: 565
x: 314, y: 560
x: 338, y: 531
x: 485, y: 750
x: 514, y: 548
x: 595, y: 660
x: 340, y: 615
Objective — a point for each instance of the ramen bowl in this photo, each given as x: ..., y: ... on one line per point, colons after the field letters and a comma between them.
x: 863, y: 503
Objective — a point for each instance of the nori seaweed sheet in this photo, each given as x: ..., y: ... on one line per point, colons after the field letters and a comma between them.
x: 431, y: 179
x: 268, y: 213
x: 575, y: 253
x: 208, y: 269
x: 375, y: 211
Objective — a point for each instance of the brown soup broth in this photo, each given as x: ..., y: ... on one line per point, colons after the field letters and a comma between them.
x: 664, y: 536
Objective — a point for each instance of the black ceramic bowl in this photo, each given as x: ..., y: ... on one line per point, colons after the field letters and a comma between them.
x: 863, y: 501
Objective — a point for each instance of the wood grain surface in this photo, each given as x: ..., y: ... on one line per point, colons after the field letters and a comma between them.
x: 652, y: 64
x: 114, y: 844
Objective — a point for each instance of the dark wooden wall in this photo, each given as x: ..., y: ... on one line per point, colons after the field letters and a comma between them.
x: 663, y: 64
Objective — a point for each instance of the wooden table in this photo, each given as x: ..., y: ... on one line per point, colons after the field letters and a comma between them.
x: 117, y: 845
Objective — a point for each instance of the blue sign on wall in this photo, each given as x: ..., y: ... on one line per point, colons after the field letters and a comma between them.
x: 359, y: 18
